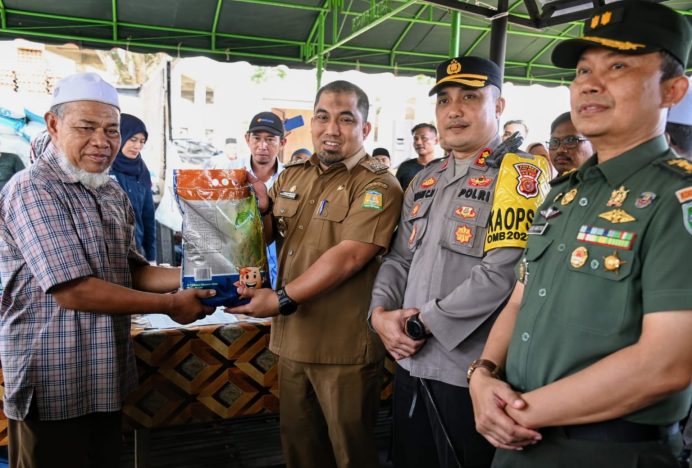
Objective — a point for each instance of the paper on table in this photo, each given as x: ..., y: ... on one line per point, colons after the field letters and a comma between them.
x: 219, y: 317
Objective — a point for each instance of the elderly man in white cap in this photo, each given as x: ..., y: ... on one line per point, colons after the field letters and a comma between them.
x: 679, y: 127
x: 72, y: 278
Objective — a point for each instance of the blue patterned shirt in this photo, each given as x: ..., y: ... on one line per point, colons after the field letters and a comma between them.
x: 54, y: 230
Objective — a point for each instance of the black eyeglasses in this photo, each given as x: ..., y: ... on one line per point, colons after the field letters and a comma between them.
x: 569, y: 142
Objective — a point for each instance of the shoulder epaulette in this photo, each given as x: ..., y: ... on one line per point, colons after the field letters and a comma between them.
x: 561, y: 178
x: 434, y: 166
x: 680, y: 166
x: 295, y: 163
x: 373, y: 165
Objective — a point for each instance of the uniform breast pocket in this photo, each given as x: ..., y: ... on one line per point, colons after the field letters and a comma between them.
x: 284, y: 212
x: 327, y: 225
x: 602, y: 278
x: 466, y: 228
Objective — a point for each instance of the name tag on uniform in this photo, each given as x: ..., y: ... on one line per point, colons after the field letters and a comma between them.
x: 538, y: 229
x: 291, y: 195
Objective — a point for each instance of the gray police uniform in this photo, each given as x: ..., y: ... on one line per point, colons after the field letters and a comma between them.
x: 443, y: 270
x: 439, y: 265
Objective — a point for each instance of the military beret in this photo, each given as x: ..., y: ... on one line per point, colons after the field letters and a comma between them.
x: 629, y: 27
x: 468, y: 72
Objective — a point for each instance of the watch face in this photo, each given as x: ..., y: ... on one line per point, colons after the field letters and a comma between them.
x: 414, y: 328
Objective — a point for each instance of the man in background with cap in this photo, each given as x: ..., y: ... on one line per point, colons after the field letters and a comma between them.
x: 441, y: 286
x: 595, y: 340
x: 73, y: 277
x: 382, y: 155
x: 679, y: 127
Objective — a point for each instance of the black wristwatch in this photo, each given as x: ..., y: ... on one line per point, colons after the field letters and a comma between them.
x: 415, y: 329
x: 286, y: 305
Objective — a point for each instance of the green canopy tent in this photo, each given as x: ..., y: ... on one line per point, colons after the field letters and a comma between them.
x: 405, y: 37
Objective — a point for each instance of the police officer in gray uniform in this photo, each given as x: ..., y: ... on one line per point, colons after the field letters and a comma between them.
x: 439, y: 288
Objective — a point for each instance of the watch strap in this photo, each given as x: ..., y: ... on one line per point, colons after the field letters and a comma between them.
x: 287, y: 306
x: 493, y: 368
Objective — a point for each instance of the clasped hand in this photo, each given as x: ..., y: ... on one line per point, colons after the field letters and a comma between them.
x: 497, y: 408
x: 391, y: 326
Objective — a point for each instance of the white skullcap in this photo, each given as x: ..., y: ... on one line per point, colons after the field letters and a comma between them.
x: 84, y: 87
x: 682, y: 112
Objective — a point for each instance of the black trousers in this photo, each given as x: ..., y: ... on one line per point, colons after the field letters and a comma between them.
x: 418, y: 440
x: 556, y: 449
x: 90, y: 441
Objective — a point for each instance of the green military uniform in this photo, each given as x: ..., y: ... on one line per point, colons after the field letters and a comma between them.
x: 329, y: 360
x: 615, y: 245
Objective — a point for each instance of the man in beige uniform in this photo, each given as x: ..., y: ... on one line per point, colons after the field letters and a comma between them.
x: 331, y: 216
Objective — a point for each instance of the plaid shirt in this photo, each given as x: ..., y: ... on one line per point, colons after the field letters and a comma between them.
x: 54, y: 229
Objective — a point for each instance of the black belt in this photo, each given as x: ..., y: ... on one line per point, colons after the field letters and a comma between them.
x: 615, y: 430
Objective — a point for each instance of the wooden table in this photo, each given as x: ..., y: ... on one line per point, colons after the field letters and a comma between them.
x: 202, y: 374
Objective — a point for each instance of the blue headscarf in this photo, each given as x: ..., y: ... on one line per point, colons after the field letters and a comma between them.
x: 130, y: 126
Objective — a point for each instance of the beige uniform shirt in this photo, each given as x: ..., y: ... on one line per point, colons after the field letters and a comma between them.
x: 314, y: 210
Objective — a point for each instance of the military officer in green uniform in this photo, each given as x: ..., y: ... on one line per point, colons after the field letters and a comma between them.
x: 594, y: 340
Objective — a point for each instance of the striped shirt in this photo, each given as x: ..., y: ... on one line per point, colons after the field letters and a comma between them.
x: 54, y: 230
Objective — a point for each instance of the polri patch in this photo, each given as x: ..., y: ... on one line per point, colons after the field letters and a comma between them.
x: 412, y: 237
x: 373, y: 200
x: 527, y: 177
x: 480, y: 159
x: 429, y: 182
x: 607, y: 237
x: 481, y: 181
x: 465, y: 212
x: 415, y: 209
x: 463, y: 235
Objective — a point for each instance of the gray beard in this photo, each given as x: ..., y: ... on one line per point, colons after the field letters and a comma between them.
x: 90, y: 179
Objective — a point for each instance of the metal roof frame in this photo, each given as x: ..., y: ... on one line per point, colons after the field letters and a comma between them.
x: 401, y: 36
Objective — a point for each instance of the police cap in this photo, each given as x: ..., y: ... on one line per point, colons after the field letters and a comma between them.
x: 468, y: 72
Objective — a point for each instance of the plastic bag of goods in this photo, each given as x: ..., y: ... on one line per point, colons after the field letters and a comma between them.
x: 223, y: 243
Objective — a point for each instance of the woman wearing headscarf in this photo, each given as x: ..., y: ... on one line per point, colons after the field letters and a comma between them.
x: 133, y: 176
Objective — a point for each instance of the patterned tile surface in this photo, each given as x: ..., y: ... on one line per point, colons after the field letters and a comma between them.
x: 201, y: 374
